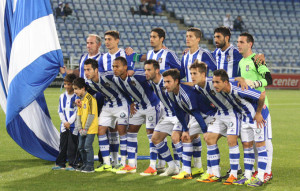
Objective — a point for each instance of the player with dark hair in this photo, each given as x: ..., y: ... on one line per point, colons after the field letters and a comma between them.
x: 226, y: 123
x: 114, y: 113
x: 258, y: 77
x: 146, y: 108
x: 188, y: 100
x: 250, y: 103
x: 168, y: 124
x: 193, y: 38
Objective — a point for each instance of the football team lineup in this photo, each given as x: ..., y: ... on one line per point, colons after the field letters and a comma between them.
x: 222, y: 105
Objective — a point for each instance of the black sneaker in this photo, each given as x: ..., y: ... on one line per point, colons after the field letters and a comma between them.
x: 240, y: 172
x: 88, y: 169
x: 80, y: 168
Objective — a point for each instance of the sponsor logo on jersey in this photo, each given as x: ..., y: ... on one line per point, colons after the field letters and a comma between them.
x: 212, y: 121
x: 258, y: 131
x: 212, y: 92
x: 122, y: 115
x: 133, y: 83
x: 247, y: 68
x: 228, y: 58
x: 150, y: 118
x: 237, y: 100
x: 84, y: 106
x: 160, y: 60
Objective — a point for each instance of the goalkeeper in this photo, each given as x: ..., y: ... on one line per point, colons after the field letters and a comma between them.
x: 257, y: 76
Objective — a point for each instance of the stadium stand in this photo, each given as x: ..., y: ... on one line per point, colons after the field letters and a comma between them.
x: 274, y: 24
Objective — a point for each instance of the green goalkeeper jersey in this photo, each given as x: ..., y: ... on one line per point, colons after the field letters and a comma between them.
x: 251, y: 72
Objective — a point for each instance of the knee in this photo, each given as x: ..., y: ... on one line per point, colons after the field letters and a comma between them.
x: 247, y: 145
x: 175, y: 139
x: 155, y: 139
x: 232, y: 141
x: 149, y: 131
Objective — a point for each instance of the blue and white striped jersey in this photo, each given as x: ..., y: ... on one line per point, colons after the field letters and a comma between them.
x: 160, y: 91
x: 201, y: 55
x: 228, y: 60
x: 106, y: 60
x: 245, y: 102
x: 194, y: 103
x: 113, y: 96
x: 139, y: 89
x: 218, y: 100
x: 166, y: 58
x: 82, y: 59
x: 67, y: 111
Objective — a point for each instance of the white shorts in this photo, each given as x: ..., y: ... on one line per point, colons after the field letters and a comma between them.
x: 109, y: 116
x: 194, y: 127
x: 269, y: 127
x: 168, y: 125
x: 225, y: 124
x: 150, y: 116
x: 250, y: 132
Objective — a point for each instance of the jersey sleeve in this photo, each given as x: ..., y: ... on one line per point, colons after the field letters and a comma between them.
x: 200, y: 120
x: 237, y: 58
x: 89, y: 89
x: 180, y: 114
x: 100, y: 64
x: 173, y: 61
x: 182, y: 70
x: 250, y: 94
x: 263, y: 70
x: 94, y: 107
x: 130, y: 61
x: 210, y: 61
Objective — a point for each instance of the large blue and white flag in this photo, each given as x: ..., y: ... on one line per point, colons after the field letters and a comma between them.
x: 30, y: 58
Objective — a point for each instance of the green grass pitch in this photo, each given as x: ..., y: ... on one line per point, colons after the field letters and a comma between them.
x: 21, y: 171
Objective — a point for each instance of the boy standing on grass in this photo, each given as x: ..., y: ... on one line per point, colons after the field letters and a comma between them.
x: 86, y: 124
x: 69, y: 135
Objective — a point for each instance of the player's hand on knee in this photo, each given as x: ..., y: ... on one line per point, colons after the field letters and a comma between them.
x: 259, y: 120
x: 185, y: 136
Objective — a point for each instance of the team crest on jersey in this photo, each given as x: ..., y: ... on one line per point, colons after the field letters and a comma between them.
x: 237, y: 100
x: 212, y: 105
x: 160, y: 60
x: 258, y: 131
x: 133, y: 83
x: 212, y: 92
x: 84, y: 106
x: 107, y: 84
x: 247, y: 68
x: 122, y: 115
x: 163, y: 88
x: 228, y: 58
x: 150, y: 118
x: 212, y: 121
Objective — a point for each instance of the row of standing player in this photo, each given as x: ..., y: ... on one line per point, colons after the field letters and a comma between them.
x: 225, y: 53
